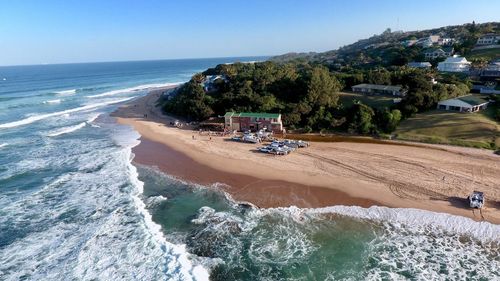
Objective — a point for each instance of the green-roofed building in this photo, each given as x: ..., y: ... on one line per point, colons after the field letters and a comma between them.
x: 244, y: 121
x: 468, y: 103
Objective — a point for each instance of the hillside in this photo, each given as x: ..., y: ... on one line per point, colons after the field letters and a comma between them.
x: 388, y: 48
x: 312, y: 91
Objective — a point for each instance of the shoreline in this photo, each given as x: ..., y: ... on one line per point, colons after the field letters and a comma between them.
x: 313, y: 177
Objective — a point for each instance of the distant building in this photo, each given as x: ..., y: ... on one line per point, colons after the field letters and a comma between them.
x: 209, y: 83
x: 468, y: 103
x: 409, y: 43
x: 379, y: 89
x: 434, y: 53
x: 253, y: 121
x: 420, y: 64
x: 488, y: 39
x: 454, y: 64
x: 491, y: 71
x: 443, y: 41
x: 428, y: 41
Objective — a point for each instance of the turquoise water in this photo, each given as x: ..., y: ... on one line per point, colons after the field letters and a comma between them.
x: 72, y: 207
x: 336, y: 243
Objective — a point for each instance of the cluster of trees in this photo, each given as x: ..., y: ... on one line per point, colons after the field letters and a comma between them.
x: 306, y: 95
x: 423, y: 94
x: 363, y: 119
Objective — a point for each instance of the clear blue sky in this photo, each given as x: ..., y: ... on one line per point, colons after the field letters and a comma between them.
x: 59, y: 31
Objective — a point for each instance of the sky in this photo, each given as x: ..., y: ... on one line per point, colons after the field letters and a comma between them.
x: 67, y: 31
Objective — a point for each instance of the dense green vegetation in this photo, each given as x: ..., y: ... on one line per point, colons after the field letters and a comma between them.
x: 347, y: 99
x: 311, y: 90
x: 308, y: 95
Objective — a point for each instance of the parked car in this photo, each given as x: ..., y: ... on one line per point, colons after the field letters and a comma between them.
x: 476, y: 199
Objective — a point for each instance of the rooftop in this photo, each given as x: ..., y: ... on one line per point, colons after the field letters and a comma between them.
x: 416, y: 64
x: 472, y: 100
x: 378, y: 87
x: 252, y: 114
x: 456, y: 59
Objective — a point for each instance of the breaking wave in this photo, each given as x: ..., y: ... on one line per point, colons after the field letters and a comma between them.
x: 344, y: 243
x: 67, y: 130
x: 52, y: 101
x: 414, y: 218
x: 66, y: 92
x: 178, y: 262
x: 3, y: 144
x: 134, y: 89
x: 39, y: 117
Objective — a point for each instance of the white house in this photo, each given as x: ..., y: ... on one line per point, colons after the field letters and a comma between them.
x: 443, y: 41
x: 454, y: 64
x: 468, y: 103
x: 488, y: 39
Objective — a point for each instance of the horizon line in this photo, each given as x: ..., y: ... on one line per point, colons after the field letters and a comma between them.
x: 138, y: 60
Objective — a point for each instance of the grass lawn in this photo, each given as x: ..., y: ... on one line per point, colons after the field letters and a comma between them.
x: 347, y: 100
x: 465, y: 129
x: 489, y: 54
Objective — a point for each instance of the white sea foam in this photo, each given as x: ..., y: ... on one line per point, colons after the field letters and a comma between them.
x: 52, y: 101
x: 3, y: 144
x: 134, y: 89
x: 88, y: 224
x: 38, y: 117
x: 67, y: 130
x: 178, y: 263
x: 483, y: 231
x: 154, y: 201
x: 66, y: 92
x: 93, y: 117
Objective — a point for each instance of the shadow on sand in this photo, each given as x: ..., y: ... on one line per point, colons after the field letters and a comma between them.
x: 459, y: 202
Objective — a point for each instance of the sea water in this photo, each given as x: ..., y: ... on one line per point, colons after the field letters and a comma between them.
x: 73, y: 207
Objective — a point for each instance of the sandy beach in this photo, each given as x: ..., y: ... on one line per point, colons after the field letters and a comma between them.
x: 429, y: 177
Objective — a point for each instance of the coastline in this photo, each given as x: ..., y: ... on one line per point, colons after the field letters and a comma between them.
x: 326, y: 174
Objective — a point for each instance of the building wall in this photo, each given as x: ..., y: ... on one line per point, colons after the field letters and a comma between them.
x: 488, y: 40
x: 253, y: 123
x: 385, y: 92
x: 453, y: 67
x: 459, y: 106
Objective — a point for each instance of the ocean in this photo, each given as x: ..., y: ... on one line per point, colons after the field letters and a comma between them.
x: 73, y: 207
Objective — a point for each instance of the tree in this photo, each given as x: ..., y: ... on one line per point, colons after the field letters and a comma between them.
x: 361, y: 119
x: 379, y: 76
x: 322, y: 88
x: 388, y: 120
x: 190, y: 102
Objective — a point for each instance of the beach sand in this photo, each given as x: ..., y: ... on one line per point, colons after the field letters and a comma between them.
x: 430, y: 177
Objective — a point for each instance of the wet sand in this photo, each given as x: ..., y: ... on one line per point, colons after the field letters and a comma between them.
x: 429, y: 177
x: 261, y: 192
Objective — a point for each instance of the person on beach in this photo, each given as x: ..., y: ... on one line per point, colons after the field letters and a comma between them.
x: 193, y: 137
